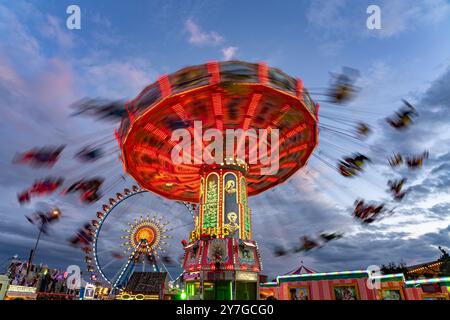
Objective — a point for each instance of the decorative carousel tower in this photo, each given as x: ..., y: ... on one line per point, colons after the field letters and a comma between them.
x: 221, y: 260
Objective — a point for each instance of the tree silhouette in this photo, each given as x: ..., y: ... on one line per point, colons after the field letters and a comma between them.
x: 392, y: 268
x: 445, y: 266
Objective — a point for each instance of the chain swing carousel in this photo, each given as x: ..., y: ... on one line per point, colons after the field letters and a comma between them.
x: 221, y: 260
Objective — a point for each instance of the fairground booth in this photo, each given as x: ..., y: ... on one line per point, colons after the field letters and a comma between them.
x: 354, y: 285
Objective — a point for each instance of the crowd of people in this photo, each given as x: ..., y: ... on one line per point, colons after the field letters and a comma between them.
x: 44, y: 279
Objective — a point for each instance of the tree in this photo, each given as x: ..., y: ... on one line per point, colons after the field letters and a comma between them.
x: 392, y: 268
x: 444, y: 270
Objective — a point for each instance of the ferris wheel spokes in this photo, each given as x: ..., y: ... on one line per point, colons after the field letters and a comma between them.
x: 139, y: 254
x: 145, y: 239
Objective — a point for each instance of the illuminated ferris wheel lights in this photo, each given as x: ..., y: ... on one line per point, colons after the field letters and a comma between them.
x: 142, y: 239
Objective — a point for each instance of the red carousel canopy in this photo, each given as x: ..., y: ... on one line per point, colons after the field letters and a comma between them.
x: 225, y: 95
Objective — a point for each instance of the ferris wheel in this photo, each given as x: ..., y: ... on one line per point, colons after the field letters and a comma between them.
x: 137, y: 231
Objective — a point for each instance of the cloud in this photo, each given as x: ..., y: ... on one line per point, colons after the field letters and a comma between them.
x: 100, y: 20
x: 412, y: 233
x: 366, y: 248
x: 116, y: 79
x: 9, y: 79
x: 430, y: 129
x: 54, y: 28
x: 400, y: 16
x: 229, y: 53
x: 16, y: 36
x: 330, y: 16
x: 343, y: 20
x: 199, y: 37
x: 36, y: 89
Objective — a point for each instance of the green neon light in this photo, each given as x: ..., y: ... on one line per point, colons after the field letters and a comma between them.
x: 210, y: 208
x: 321, y: 274
x: 426, y: 281
x: 244, y: 202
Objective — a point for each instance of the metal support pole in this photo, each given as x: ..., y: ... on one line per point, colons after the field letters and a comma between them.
x: 33, y: 251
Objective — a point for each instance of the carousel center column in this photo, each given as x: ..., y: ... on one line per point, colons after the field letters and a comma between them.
x: 225, y: 256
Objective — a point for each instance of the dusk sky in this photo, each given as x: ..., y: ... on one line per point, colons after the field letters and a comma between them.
x: 124, y: 46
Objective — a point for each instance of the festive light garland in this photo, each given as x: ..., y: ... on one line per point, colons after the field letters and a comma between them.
x: 425, y: 267
x: 428, y: 281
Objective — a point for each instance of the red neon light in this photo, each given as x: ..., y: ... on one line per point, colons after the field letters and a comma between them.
x: 253, y: 104
x: 297, y: 130
x: 219, y: 123
x: 160, y: 134
x: 263, y: 72
x: 256, y: 97
x: 299, y: 148
x: 157, y: 132
x: 213, y: 69
x: 164, y: 85
x: 179, y: 110
x: 299, y: 89
x: 247, y: 122
x: 218, y: 109
x: 217, y: 104
x: 283, y: 111
x: 146, y: 150
x: 282, y: 139
x: 288, y: 165
x: 283, y: 154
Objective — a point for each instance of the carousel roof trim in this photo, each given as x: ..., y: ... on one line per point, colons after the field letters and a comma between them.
x: 268, y: 284
x: 443, y: 281
x: 422, y: 266
x: 324, y: 276
x: 390, y: 277
x: 299, y: 270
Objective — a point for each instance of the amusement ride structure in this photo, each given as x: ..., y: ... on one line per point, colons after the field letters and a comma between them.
x: 125, y: 241
x: 221, y: 260
x: 208, y: 137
